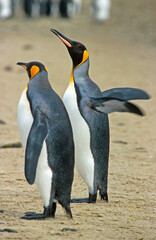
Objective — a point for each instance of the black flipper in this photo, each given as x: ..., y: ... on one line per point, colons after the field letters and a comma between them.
x: 126, y: 94
x: 34, y: 145
x: 110, y: 105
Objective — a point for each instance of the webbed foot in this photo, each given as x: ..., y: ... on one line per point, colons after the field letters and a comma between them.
x: 80, y: 200
x: 92, y: 198
x: 48, y: 213
x: 104, y: 197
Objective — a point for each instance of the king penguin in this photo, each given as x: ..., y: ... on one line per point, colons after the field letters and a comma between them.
x: 47, y: 138
x: 88, y: 108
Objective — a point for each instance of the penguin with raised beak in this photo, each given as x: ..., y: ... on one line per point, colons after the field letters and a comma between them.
x: 88, y: 108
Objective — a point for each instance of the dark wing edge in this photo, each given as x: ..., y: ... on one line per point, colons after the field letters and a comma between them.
x: 110, y: 105
x: 37, y: 134
x: 126, y: 94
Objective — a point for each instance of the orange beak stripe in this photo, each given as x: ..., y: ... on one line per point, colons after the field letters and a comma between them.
x: 24, y: 67
x: 65, y: 42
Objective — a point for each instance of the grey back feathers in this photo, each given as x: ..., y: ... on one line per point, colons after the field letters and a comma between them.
x: 51, y: 116
x: 49, y: 154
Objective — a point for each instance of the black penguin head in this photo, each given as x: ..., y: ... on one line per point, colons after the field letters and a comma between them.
x: 77, y: 50
x: 33, y: 68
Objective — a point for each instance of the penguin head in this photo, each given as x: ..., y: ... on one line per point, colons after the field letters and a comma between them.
x: 77, y: 50
x: 33, y: 68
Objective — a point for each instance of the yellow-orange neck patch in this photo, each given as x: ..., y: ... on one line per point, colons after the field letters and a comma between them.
x: 85, y: 57
x: 33, y: 71
x: 46, y: 69
x: 71, y: 77
x: 26, y: 88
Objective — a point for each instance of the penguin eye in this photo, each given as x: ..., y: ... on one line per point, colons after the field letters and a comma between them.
x: 80, y: 47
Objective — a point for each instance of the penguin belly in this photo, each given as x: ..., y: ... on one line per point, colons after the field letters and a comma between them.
x: 24, y: 118
x: 84, y: 160
x: 43, y: 172
x: 44, y: 176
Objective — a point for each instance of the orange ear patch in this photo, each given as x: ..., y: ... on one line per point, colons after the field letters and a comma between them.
x: 33, y: 71
x: 85, y: 57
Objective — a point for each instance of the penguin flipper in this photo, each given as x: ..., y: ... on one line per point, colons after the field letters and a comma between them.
x: 126, y: 94
x: 34, y: 145
x: 109, y: 105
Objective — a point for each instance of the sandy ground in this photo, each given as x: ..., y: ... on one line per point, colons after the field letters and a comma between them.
x: 122, y: 53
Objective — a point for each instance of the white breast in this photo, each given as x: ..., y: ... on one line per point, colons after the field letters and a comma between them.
x: 44, y: 172
x: 24, y: 118
x: 83, y: 157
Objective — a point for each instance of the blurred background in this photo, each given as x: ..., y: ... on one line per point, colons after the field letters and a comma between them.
x: 64, y: 8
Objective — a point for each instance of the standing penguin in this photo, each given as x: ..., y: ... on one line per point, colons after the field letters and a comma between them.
x: 101, y: 9
x: 85, y: 104
x: 47, y: 138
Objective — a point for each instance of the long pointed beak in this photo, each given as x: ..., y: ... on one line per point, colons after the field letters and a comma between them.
x: 64, y: 39
x: 24, y: 65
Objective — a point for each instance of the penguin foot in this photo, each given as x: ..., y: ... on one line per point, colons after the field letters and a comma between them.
x: 92, y: 198
x: 32, y: 216
x: 48, y: 212
x: 80, y: 200
x: 104, y: 197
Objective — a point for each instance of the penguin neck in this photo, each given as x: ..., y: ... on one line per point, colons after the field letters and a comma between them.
x: 81, y: 71
x: 39, y: 81
x: 26, y: 88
